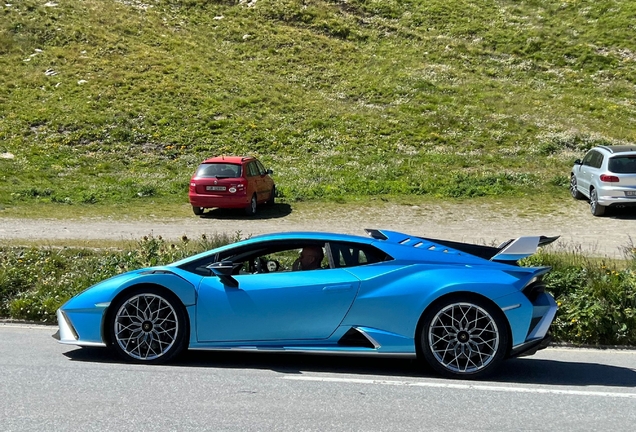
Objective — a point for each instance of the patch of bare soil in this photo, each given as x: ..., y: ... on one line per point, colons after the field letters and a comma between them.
x: 482, y: 224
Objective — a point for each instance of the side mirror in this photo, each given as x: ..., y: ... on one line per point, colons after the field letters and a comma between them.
x: 270, y: 172
x: 223, y: 270
x: 577, y: 162
x: 203, y: 271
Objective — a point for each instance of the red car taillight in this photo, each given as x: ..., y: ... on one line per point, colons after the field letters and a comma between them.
x: 193, y: 186
x: 609, y: 178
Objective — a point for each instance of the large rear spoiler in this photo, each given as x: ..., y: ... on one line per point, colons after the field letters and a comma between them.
x: 511, y: 250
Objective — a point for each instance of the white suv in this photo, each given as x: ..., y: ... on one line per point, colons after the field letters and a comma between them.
x: 606, y: 176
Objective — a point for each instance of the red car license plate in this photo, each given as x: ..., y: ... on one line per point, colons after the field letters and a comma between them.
x: 215, y: 188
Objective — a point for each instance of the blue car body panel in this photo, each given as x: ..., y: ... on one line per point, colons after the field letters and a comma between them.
x: 315, y: 311
x: 265, y: 308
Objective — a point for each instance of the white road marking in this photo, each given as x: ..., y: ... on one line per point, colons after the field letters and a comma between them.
x: 466, y: 387
x: 28, y: 326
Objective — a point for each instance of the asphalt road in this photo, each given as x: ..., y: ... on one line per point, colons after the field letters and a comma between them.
x: 45, y: 386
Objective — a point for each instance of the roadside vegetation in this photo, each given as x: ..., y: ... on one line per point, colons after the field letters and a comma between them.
x: 597, y: 298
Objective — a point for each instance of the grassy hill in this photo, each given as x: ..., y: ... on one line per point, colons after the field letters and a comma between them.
x: 108, y: 102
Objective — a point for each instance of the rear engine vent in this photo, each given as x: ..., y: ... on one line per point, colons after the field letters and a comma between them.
x: 354, y: 338
x: 533, y: 290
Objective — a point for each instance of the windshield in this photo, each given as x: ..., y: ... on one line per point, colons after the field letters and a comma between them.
x: 218, y: 170
x: 623, y: 164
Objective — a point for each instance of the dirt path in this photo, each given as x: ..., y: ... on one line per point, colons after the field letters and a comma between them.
x: 483, y: 224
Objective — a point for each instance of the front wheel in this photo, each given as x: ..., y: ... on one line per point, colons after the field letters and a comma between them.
x: 595, y: 207
x: 574, y: 189
x: 148, y: 326
x: 463, y: 337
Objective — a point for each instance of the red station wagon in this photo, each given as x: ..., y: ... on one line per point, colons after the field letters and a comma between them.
x: 231, y: 182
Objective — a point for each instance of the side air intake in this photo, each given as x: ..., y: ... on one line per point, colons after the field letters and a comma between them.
x: 356, y: 338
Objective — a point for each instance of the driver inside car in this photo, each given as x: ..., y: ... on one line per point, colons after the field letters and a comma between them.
x: 310, y: 258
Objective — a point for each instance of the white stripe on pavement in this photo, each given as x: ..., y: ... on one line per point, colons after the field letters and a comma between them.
x: 465, y: 386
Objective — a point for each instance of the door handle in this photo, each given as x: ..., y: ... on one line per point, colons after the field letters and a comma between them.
x: 343, y: 287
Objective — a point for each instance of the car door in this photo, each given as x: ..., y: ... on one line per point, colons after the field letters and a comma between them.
x: 595, y: 169
x: 586, y: 172
x: 274, y: 306
x: 266, y: 184
x: 253, y: 179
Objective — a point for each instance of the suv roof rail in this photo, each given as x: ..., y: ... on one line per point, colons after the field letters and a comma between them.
x: 618, y: 148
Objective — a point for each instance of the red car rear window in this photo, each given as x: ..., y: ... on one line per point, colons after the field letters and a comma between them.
x: 218, y: 170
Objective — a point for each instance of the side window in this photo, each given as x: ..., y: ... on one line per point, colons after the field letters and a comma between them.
x: 351, y: 255
x: 588, y: 158
x: 261, y: 168
x: 285, y: 257
x: 593, y: 159
x: 597, y: 162
x: 252, y: 170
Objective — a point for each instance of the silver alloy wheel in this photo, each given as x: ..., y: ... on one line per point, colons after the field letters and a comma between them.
x: 595, y: 207
x: 463, y: 338
x: 573, y: 187
x: 574, y: 190
x: 146, y: 326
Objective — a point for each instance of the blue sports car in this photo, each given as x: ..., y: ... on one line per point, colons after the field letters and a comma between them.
x: 462, y: 308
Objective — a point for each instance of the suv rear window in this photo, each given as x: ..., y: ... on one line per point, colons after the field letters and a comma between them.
x: 622, y: 164
x: 218, y: 170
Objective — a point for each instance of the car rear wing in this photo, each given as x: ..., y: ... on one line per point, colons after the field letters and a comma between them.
x: 509, y: 251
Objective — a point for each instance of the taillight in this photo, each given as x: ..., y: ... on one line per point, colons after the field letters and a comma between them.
x: 609, y: 178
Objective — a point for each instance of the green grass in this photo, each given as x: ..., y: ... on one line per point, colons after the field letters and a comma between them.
x: 110, y: 104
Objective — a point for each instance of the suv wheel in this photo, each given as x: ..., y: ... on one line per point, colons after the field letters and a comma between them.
x: 595, y: 207
x: 574, y: 190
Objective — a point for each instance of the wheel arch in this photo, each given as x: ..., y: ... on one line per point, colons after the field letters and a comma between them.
x: 169, y: 294
x: 447, y: 298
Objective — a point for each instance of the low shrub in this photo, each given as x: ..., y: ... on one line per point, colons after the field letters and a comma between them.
x: 35, y: 282
x: 597, y: 299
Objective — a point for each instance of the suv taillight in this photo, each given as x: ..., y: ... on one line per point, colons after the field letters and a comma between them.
x: 609, y: 178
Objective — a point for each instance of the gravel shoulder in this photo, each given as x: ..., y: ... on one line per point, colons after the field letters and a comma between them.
x: 478, y: 223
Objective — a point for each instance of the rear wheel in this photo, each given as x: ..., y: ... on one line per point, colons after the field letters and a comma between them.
x: 197, y: 210
x: 574, y: 190
x: 595, y: 207
x: 250, y: 210
x: 148, y: 326
x: 464, y: 337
